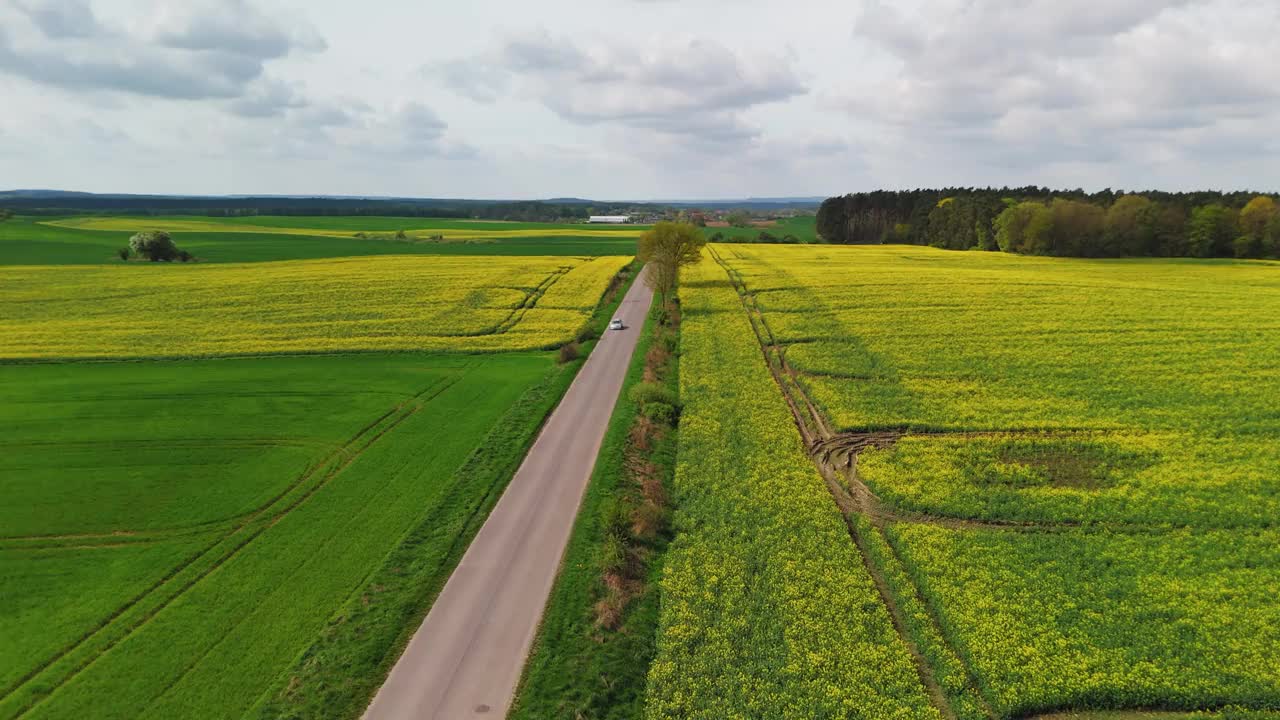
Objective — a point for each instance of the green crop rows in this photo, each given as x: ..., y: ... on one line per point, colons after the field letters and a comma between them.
x: 37, y: 241
x: 178, y: 532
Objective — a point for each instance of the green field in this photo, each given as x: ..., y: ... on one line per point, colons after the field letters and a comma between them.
x: 1063, y: 473
x: 95, y: 239
x: 802, y: 227
x: 178, y: 532
x: 181, y: 533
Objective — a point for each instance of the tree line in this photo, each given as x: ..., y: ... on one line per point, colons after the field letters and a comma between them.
x: 1073, y: 223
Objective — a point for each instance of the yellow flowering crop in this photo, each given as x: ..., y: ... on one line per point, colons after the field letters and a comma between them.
x: 1122, y: 414
x: 767, y: 610
x: 445, y: 303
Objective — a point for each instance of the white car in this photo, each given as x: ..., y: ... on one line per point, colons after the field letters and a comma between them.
x: 616, y: 324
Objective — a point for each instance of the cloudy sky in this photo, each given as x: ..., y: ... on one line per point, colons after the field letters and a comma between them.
x: 636, y: 99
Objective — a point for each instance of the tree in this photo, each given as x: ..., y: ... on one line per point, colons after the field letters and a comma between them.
x: 1024, y: 228
x: 1247, y: 246
x: 5, y: 215
x: 1256, y: 215
x: 123, y: 253
x: 1077, y: 228
x: 1211, y: 231
x: 666, y: 247
x: 738, y: 218
x: 1123, y: 231
x: 942, y: 220
x: 154, y: 245
x: 1162, y: 230
x: 982, y: 231
x: 1271, y: 240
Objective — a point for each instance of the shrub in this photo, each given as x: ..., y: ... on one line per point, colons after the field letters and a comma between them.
x: 123, y: 253
x: 645, y: 393
x: 647, y: 520
x: 569, y: 352
x: 661, y: 413
x: 154, y: 246
x: 587, y: 333
x: 668, y: 342
x: 657, y: 356
x: 613, y: 553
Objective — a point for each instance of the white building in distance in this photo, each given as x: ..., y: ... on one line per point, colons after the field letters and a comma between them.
x: 610, y: 219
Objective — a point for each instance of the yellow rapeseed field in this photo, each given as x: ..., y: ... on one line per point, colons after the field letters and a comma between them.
x: 767, y: 611
x: 1079, y: 510
x: 440, y: 303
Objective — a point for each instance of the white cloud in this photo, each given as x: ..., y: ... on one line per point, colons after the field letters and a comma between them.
x: 1042, y: 82
x: 636, y: 99
x: 194, y: 52
x: 684, y: 86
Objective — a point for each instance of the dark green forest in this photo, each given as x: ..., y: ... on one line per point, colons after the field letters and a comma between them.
x: 523, y: 211
x: 1071, y: 223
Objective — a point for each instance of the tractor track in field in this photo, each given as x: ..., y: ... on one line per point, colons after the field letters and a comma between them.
x: 837, y: 452
x: 254, y: 523
x: 531, y: 300
x: 813, y: 429
x: 835, y: 456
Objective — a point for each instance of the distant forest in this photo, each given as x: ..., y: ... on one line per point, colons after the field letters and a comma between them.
x: 1070, y: 223
x: 55, y: 202
x: 526, y: 211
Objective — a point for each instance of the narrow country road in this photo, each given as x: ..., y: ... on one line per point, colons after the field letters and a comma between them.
x: 466, y: 658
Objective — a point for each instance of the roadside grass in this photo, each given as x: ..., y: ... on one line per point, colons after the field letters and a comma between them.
x: 577, y: 667
x: 28, y: 240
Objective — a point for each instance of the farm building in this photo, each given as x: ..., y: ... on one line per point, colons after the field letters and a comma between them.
x: 610, y: 219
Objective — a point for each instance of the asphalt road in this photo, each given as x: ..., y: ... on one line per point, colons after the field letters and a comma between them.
x: 466, y: 658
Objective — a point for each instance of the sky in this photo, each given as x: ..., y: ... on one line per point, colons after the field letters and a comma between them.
x: 636, y: 99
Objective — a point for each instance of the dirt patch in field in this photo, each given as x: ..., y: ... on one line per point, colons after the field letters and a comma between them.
x: 1061, y: 467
